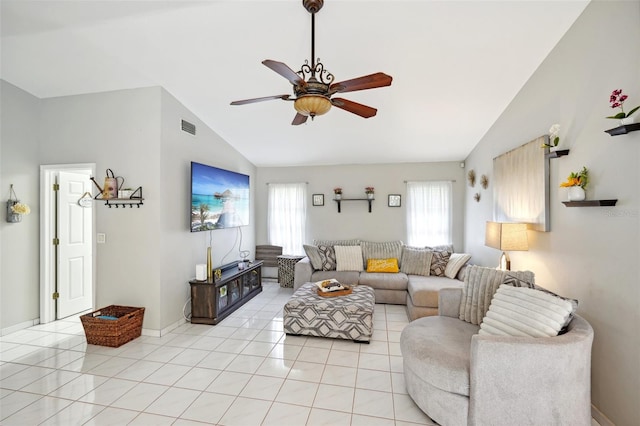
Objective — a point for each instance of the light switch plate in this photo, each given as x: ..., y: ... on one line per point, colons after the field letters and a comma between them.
x: 101, y: 238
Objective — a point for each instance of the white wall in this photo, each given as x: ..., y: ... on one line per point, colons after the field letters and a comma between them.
x: 591, y: 254
x: 119, y: 130
x: 19, y: 242
x: 181, y: 249
x: 150, y: 254
x: 383, y: 223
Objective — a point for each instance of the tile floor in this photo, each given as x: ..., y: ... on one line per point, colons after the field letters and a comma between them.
x: 243, y: 371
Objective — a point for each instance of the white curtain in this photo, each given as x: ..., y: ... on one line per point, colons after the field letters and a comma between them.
x: 287, y: 216
x: 429, y: 213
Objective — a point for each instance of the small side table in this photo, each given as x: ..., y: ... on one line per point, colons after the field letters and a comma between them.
x: 286, y: 269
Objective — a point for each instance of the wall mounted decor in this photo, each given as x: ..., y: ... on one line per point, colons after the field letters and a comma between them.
x: 395, y: 200
x: 318, y: 200
x: 15, y: 209
x: 471, y: 177
x: 484, y: 181
x: 476, y: 197
x: 521, y: 186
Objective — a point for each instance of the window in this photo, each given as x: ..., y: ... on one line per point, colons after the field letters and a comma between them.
x: 429, y: 213
x: 287, y: 215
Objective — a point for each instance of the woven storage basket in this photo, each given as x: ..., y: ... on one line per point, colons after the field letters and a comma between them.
x: 114, y: 333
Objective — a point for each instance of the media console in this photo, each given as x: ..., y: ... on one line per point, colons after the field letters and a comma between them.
x: 213, y: 301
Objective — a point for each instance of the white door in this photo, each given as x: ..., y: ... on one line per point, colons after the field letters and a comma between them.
x: 75, y: 246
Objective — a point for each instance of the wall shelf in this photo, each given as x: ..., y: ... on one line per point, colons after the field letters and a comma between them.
x: 134, y: 200
x: 558, y: 153
x: 590, y: 203
x: 353, y: 199
x: 623, y: 130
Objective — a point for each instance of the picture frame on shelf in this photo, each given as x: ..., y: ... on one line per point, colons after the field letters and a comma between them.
x: 395, y: 200
x: 317, y: 199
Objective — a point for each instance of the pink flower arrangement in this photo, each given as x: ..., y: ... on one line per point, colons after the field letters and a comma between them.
x: 617, y: 100
x: 369, y: 190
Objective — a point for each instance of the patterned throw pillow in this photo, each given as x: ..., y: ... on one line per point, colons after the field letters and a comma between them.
x: 523, y: 311
x: 348, y: 258
x: 439, y: 263
x: 456, y: 261
x: 382, y: 265
x: 416, y: 261
x: 328, y: 256
x: 315, y: 258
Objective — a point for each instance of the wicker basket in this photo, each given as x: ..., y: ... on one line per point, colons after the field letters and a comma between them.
x: 110, y: 332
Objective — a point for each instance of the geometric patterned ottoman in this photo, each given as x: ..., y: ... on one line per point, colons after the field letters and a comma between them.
x: 347, y: 317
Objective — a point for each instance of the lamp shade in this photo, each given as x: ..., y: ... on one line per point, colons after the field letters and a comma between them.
x: 506, y: 236
x: 312, y: 105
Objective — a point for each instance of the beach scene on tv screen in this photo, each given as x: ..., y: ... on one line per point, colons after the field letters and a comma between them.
x: 219, y: 198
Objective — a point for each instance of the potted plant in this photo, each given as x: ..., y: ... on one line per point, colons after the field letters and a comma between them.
x: 554, y: 138
x: 369, y: 190
x: 617, y: 100
x: 577, y: 183
x: 337, y: 193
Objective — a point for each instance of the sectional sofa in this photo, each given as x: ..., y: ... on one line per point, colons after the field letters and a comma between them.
x: 420, y: 272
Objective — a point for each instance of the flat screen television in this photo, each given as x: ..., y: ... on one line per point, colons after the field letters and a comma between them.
x: 219, y: 198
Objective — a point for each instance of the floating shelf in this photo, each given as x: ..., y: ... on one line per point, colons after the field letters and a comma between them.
x: 623, y: 130
x: 590, y: 203
x: 353, y: 199
x: 558, y: 153
x: 134, y: 200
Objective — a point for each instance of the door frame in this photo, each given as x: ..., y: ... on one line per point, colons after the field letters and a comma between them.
x: 48, y: 174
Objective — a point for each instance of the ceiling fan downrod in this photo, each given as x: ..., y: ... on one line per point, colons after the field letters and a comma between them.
x: 315, y: 71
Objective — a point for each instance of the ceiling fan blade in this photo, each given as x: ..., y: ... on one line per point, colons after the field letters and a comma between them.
x: 284, y: 71
x: 266, y: 98
x: 354, y: 107
x: 299, y: 119
x: 371, y: 81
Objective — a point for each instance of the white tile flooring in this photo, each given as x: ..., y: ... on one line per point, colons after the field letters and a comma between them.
x: 243, y: 371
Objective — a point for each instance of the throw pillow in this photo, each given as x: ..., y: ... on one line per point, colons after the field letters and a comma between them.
x: 333, y: 243
x: 522, y: 311
x: 480, y: 284
x: 387, y: 250
x: 315, y: 258
x: 348, y: 258
x: 456, y: 261
x: 442, y: 247
x: 382, y: 265
x: 439, y: 263
x: 328, y: 256
x: 416, y: 261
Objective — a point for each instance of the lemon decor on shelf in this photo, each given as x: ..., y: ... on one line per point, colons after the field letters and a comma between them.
x: 576, y: 182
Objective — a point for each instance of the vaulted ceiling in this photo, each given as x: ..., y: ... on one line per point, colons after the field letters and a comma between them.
x: 456, y: 65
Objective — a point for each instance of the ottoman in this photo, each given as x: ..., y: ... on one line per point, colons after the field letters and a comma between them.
x: 347, y: 317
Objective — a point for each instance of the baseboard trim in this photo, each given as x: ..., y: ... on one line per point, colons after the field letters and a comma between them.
x: 19, y: 326
x: 599, y: 417
x: 164, y: 331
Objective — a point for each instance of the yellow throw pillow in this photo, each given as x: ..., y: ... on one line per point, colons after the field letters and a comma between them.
x: 382, y: 265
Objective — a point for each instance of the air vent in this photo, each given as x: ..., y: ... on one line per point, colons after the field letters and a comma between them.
x: 188, y: 127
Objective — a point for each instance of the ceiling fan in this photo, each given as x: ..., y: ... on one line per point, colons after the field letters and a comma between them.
x: 313, y: 86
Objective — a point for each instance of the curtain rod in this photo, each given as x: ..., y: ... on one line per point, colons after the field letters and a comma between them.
x: 431, y: 180
x: 274, y: 183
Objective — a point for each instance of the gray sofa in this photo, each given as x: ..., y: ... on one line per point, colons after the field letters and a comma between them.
x: 459, y: 377
x: 418, y: 292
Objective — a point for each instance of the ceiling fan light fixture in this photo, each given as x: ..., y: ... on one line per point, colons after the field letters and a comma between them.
x: 312, y: 105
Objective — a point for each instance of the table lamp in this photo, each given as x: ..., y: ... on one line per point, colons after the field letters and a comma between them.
x: 506, y: 237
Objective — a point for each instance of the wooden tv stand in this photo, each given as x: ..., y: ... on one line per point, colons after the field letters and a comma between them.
x: 211, y: 302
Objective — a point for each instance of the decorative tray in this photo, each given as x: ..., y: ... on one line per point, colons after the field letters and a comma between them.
x: 336, y: 293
